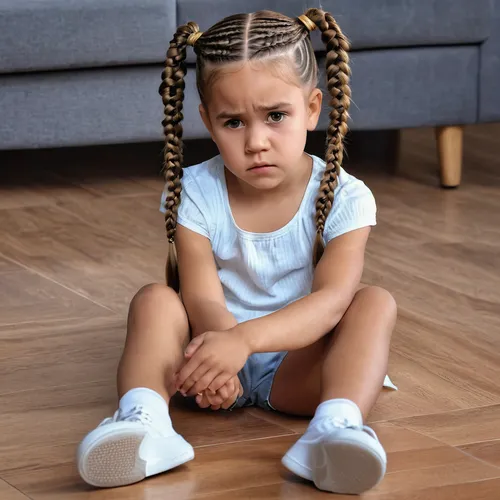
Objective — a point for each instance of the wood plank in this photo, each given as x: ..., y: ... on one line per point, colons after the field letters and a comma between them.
x: 423, y: 388
x: 477, y: 490
x: 78, y: 172
x: 45, y: 354
x: 237, y: 469
x: 7, y: 266
x: 455, y: 264
x: 24, y: 183
x: 215, y: 469
x: 140, y: 220
x: 7, y: 492
x: 488, y: 451
x: 460, y: 427
x: 57, y: 418
x: 448, y: 368
x: 104, y: 266
x: 26, y: 296
x: 423, y: 297
x: 456, y: 472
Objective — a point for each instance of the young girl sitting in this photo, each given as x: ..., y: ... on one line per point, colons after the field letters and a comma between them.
x: 266, y: 245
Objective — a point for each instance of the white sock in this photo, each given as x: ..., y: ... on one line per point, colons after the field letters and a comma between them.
x: 339, y: 408
x: 153, y: 402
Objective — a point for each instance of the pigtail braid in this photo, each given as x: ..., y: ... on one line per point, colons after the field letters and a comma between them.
x: 172, y: 93
x: 337, y: 73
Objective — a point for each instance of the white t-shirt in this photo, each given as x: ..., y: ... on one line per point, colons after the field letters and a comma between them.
x: 263, y: 272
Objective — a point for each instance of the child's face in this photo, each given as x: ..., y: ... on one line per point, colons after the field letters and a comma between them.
x: 256, y: 119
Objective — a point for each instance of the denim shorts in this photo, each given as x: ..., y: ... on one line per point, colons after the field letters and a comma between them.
x: 257, y: 377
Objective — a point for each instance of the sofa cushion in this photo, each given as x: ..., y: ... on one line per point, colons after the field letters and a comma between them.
x: 368, y: 23
x: 410, y: 87
x: 57, y: 34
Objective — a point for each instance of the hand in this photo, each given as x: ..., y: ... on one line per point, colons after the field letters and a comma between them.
x: 223, y: 398
x: 213, y: 359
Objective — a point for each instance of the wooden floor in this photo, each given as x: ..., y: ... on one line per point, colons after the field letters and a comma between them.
x: 80, y: 234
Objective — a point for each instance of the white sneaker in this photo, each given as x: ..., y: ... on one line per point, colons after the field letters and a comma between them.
x: 127, y: 448
x: 338, y: 457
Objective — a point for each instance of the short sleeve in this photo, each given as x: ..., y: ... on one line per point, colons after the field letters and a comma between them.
x: 190, y: 214
x: 354, y: 207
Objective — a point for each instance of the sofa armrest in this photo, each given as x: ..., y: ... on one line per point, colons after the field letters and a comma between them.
x: 489, y: 96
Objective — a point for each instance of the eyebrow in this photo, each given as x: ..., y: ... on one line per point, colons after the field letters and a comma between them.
x: 272, y: 107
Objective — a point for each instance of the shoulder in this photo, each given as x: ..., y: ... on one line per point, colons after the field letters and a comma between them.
x: 353, y: 206
x: 200, y: 197
x: 200, y: 182
x: 203, y: 175
x: 351, y: 189
x: 348, y: 186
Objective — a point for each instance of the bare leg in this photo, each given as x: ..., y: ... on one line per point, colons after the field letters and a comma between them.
x: 139, y: 440
x: 157, y: 334
x: 345, y: 370
x: 351, y: 363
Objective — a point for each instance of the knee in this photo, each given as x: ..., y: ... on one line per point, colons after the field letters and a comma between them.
x: 380, y: 299
x: 155, y: 295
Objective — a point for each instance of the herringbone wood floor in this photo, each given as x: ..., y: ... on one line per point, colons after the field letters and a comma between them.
x: 80, y: 233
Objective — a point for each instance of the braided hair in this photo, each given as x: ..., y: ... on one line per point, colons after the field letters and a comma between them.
x: 244, y: 37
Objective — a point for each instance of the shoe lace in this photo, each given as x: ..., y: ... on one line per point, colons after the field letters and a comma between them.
x: 135, y: 414
x: 343, y: 423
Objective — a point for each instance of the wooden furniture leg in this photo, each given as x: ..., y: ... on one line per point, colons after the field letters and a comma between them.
x: 449, y: 143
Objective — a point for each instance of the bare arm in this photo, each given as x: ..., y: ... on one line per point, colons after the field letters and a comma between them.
x: 201, y: 289
x: 305, y: 321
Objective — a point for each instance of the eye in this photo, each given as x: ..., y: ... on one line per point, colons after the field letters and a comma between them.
x: 276, y: 117
x: 232, y: 123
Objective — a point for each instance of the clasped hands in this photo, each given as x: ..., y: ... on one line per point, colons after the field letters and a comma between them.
x: 210, y: 370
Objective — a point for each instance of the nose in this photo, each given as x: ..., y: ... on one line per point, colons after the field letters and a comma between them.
x: 257, y: 139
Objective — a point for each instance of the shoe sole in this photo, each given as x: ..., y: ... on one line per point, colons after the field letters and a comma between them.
x: 113, y: 459
x: 347, y: 467
x: 298, y: 469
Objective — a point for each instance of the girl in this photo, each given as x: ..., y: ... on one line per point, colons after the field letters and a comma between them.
x: 270, y: 245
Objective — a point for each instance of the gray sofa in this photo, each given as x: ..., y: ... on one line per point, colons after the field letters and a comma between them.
x: 76, y: 72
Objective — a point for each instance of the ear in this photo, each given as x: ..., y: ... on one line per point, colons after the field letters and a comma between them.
x: 314, y: 108
x: 206, y: 119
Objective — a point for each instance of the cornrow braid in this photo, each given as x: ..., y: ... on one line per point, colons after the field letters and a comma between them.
x: 172, y: 93
x: 337, y: 73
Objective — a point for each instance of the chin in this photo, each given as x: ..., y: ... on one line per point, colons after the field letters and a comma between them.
x: 265, y: 184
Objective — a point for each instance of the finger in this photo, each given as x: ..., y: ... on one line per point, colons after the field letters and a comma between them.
x: 216, y: 399
x: 215, y: 407
x: 230, y: 401
x: 222, y: 394
x: 202, y: 400
x: 193, y: 346
x: 225, y: 391
x: 190, y: 382
x: 219, y: 381
x: 192, y: 365
x: 213, y: 399
x: 204, y: 381
x: 232, y: 386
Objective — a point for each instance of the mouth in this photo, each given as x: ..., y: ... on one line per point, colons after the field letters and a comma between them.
x: 261, y: 166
